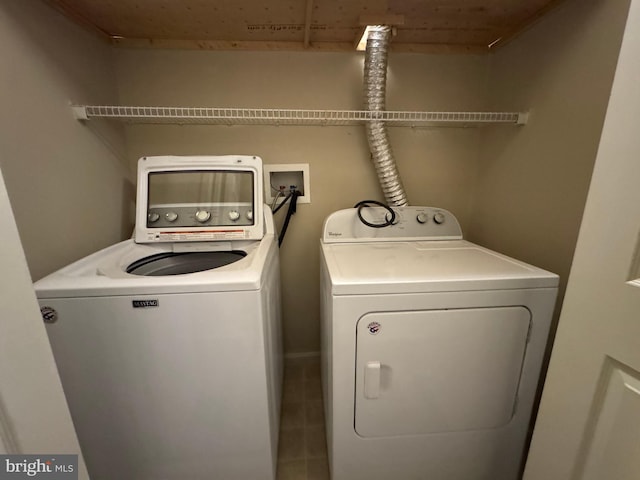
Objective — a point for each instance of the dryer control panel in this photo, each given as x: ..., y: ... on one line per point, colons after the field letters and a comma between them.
x: 377, y: 224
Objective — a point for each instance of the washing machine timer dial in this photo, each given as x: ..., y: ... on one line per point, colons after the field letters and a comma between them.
x: 234, y: 215
x: 422, y: 218
x: 153, y: 217
x: 439, y: 218
x: 202, y: 216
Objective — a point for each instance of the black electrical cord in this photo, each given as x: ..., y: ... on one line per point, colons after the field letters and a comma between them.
x: 388, y: 219
x: 292, y: 209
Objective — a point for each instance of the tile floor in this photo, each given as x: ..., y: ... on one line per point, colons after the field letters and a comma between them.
x: 302, y: 452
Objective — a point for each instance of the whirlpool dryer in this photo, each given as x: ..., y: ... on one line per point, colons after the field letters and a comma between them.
x: 169, y: 346
x: 431, y: 348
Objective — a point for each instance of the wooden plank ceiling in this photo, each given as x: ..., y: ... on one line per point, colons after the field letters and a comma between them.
x: 447, y: 26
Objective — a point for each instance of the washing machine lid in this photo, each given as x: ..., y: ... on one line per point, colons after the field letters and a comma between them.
x: 425, y: 266
x: 104, y: 273
x: 199, y: 199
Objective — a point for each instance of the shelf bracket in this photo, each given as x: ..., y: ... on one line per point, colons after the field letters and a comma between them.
x: 523, y: 118
x: 79, y: 112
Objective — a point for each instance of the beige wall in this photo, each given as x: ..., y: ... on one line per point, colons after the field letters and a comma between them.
x: 65, y: 182
x: 519, y: 191
x: 534, y: 180
x: 439, y: 166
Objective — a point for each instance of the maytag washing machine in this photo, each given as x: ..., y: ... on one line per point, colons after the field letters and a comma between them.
x: 169, y: 345
x: 431, y: 348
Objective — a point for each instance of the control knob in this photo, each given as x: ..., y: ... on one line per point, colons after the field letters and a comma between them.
x: 250, y: 215
x: 202, y: 216
x: 152, y: 217
x: 234, y: 215
x: 422, y: 218
x: 171, y: 216
x: 439, y: 217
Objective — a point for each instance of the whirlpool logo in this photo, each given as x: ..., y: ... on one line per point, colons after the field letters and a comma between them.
x: 144, y: 303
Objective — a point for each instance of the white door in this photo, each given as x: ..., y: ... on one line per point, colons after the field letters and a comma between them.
x: 34, y: 417
x: 589, y: 421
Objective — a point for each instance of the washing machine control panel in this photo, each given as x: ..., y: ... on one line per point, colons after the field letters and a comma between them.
x: 378, y: 224
x: 198, y: 215
x: 199, y: 199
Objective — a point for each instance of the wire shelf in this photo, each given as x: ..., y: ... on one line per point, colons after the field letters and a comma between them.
x: 272, y: 116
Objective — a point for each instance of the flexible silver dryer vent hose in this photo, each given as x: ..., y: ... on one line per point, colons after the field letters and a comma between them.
x: 375, y: 84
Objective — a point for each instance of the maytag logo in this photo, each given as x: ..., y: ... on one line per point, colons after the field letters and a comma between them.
x: 144, y: 303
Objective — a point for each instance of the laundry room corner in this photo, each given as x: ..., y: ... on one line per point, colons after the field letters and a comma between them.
x: 199, y: 322
x: 533, y: 181
x: 59, y: 173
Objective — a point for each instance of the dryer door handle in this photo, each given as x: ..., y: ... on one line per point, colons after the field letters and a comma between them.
x: 372, y: 380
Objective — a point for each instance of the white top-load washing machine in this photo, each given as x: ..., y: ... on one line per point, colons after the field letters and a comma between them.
x: 169, y: 346
x: 431, y: 348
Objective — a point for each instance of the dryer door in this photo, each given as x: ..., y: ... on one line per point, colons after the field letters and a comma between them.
x: 438, y: 370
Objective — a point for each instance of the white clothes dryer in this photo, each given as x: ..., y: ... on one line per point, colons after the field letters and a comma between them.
x: 431, y: 348
x: 170, y: 351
